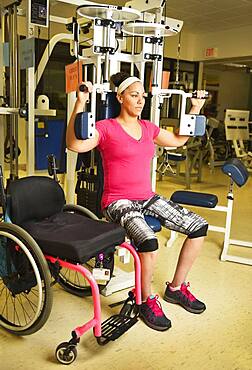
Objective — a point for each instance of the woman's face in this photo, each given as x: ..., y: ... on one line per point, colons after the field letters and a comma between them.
x: 132, y: 99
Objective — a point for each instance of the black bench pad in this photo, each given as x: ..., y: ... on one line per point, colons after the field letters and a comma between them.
x: 194, y: 198
x: 176, y: 157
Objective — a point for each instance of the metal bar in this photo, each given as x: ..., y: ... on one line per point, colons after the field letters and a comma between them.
x: 2, y: 92
x: 219, y: 229
x: 241, y: 243
x: 48, y: 51
x: 14, y: 95
x: 246, y: 261
x: 71, y: 157
x: 8, y: 110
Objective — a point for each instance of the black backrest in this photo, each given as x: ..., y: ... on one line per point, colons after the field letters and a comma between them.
x: 34, y: 198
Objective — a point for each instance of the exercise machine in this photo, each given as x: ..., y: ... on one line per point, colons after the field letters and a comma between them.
x: 238, y: 174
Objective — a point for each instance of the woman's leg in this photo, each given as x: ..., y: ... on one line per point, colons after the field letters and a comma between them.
x: 148, y: 260
x: 177, y: 218
x: 188, y: 254
x: 129, y: 215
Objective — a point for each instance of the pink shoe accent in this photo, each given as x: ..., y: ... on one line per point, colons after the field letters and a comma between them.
x: 184, y: 289
x: 155, y: 305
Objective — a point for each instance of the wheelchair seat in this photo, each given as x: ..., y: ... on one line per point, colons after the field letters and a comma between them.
x: 37, y: 205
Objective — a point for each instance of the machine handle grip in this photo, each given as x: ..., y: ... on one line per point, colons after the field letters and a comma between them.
x: 83, y: 88
x: 194, y: 95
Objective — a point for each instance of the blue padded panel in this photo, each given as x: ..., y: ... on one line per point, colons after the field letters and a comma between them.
x: 153, y: 222
x: 236, y: 170
x: 194, y: 198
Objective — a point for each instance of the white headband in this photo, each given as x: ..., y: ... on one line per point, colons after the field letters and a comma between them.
x: 126, y: 83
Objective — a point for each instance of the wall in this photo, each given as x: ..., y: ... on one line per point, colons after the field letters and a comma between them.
x: 187, y: 46
x: 233, y: 89
x: 233, y: 43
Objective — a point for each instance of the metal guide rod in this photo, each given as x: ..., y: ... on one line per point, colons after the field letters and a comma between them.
x: 2, y: 91
x: 14, y: 93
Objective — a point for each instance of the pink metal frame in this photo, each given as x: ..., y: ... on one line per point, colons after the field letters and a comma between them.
x: 95, y: 322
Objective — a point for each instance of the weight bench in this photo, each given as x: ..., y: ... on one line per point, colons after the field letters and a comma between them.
x: 238, y: 174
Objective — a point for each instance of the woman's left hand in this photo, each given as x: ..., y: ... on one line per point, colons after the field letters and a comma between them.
x: 198, y: 102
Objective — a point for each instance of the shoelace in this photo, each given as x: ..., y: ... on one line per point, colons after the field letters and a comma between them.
x: 184, y: 289
x: 155, y: 305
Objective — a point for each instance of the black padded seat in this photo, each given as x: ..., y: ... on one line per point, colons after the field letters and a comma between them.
x: 74, y: 237
x: 195, y: 198
x: 176, y: 157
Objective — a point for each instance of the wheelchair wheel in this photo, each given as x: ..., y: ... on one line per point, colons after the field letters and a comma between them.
x: 73, y: 281
x: 25, y: 291
x: 66, y: 353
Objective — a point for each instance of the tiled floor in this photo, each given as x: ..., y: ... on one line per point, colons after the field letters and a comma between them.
x: 220, y: 338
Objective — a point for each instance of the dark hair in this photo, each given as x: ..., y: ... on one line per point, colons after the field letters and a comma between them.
x: 118, y: 78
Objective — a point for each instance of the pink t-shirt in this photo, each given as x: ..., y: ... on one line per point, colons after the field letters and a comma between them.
x: 126, y: 161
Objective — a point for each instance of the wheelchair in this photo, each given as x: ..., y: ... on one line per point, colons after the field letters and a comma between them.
x: 42, y: 240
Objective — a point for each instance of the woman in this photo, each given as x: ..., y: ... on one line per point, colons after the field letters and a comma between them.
x: 127, y: 146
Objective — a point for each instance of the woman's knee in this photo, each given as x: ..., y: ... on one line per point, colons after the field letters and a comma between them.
x: 201, y: 232
x: 149, y: 245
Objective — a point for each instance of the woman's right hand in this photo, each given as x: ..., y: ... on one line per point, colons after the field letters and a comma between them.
x: 83, y: 93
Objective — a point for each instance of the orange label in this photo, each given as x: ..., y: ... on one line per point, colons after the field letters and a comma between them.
x: 165, y: 80
x: 73, y: 76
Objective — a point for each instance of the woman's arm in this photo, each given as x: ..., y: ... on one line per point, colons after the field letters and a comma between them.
x: 72, y: 142
x: 167, y: 138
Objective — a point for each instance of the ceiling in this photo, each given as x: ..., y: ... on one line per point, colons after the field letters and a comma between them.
x: 199, y: 16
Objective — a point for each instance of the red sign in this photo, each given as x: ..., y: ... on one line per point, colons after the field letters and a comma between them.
x: 73, y: 76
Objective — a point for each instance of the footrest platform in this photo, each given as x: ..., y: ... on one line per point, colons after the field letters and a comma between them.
x: 114, y: 327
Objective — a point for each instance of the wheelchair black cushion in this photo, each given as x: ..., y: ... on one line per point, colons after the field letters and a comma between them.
x: 36, y: 204
x: 74, y: 237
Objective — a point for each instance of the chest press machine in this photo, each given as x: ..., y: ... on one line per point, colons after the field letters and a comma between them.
x: 152, y: 30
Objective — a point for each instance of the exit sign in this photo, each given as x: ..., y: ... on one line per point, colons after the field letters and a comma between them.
x: 211, y: 52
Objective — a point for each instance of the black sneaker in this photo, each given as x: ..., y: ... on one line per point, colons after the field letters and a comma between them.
x: 152, y: 314
x: 184, y: 298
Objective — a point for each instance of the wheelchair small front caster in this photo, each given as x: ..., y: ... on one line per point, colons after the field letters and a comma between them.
x: 66, y: 353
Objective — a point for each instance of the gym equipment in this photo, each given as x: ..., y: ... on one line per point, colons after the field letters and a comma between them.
x: 238, y: 174
x: 190, y: 155
x: 37, y: 237
x: 237, y: 130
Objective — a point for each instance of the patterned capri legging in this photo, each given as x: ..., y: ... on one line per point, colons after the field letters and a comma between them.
x: 130, y: 215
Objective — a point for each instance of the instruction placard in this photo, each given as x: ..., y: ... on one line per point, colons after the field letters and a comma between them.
x: 73, y: 76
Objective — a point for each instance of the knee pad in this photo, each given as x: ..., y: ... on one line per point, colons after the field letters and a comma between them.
x: 198, y: 233
x: 149, y: 245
